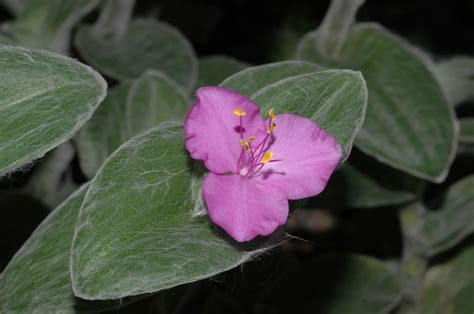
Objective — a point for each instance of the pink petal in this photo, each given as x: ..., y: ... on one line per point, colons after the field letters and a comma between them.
x: 308, y: 156
x: 243, y: 207
x: 212, y: 129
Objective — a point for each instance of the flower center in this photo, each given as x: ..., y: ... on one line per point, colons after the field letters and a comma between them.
x: 252, y: 160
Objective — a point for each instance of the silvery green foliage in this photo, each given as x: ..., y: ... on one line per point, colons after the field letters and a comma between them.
x: 128, y: 109
x: 154, y: 98
x: 409, y: 124
x: 104, y: 132
x: 136, y: 232
x: 449, y: 223
x: 47, y: 24
x: 45, y: 98
x: 146, y: 45
x: 37, y: 279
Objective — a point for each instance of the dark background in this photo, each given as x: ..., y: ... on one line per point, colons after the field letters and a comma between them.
x: 260, y: 32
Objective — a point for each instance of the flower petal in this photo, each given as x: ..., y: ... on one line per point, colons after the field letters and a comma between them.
x: 212, y: 129
x: 308, y: 156
x: 243, y: 207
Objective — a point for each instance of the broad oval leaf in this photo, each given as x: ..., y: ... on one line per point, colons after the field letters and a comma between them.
x: 136, y: 232
x: 48, y: 24
x: 37, y: 279
x: 249, y: 81
x: 409, y: 123
x: 452, y: 221
x: 449, y: 286
x: 154, y: 98
x: 335, y: 99
x: 45, y: 98
x: 104, y: 132
x: 336, y: 284
x: 214, y: 69
x: 147, y: 44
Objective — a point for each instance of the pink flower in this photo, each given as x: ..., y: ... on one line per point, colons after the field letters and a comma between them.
x: 255, y: 166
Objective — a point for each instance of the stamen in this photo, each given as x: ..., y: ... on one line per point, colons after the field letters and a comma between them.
x: 239, y: 112
x: 266, y: 158
x: 271, y: 128
x: 245, y: 145
x: 271, y: 113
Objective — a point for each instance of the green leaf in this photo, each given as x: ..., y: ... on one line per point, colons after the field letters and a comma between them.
x: 127, y: 110
x: 250, y: 80
x: 449, y: 286
x: 104, y: 132
x: 154, y: 98
x: 37, y: 279
x: 358, y: 186
x: 466, y: 135
x: 335, y: 99
x: 409, y: 124
x: 136, y: 232
x: 147, y: 44
x: 453, y: 220
x: 336, y: 284
x: 456, y: 76
x: 214, y: 69
x: 48, y: 24
x: 45, y: 98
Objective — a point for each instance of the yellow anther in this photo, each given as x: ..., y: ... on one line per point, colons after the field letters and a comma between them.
x: 271, y: 128
x: 272, y: 115
x: 266, y: 158
x: 245, y: 145
x: 239, y: 112
x: 251, y: 138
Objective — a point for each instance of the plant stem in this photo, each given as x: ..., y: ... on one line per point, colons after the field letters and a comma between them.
x: 336, y: 25
x: 414, y: 261
x: 46, y: 184
x: 114, y: 18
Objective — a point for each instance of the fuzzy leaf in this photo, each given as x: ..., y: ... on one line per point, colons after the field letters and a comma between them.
x: 409, y: 124
x: 37, y: 278
x: 147, y: 44
x: 136, y: 232
x: 48, y: 24
x: 129, y: 109
x: 104, y: 132
x: 154, y: 98
x: 453, y: 220
x: 45, y: 98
